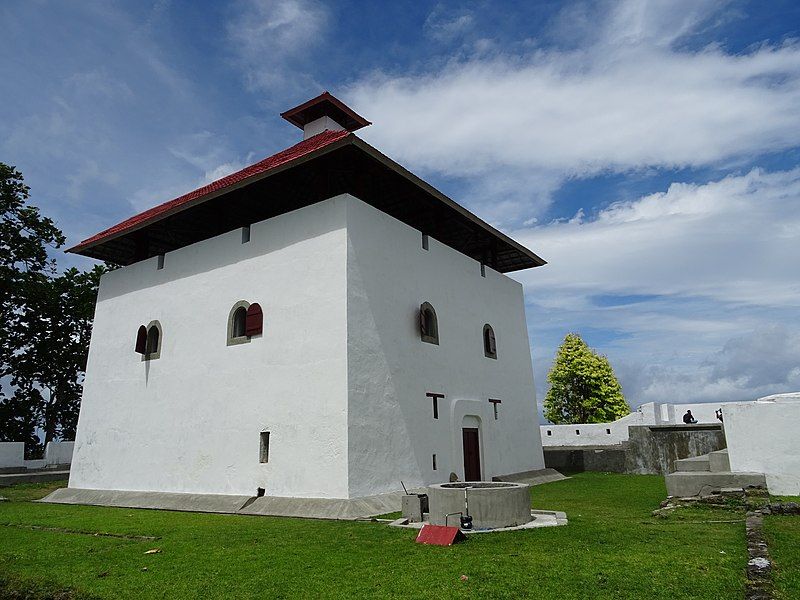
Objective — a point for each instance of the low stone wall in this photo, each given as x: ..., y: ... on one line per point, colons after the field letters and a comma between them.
x: 653, y: 449
x: 650, y: 449
x: 608, y: 459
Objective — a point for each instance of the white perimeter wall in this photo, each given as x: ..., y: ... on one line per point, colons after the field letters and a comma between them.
x: 393, y: 432
x: 190, y: 420
x: 58, y: 453
x: 12, y: 454
x: 762, y: 437
x: 603, y: 434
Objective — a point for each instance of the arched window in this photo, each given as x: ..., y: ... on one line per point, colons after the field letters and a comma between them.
x: 239, y: 318
x: 148, y: 341
x: 244, y: 321
x: 489, y: 343
x: 428, y: 324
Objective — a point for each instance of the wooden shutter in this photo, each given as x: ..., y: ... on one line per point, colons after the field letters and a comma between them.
x: 141, y: 340
x: 254, y: 322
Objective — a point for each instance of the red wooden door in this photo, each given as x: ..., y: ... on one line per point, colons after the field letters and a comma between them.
x: 472, y: 455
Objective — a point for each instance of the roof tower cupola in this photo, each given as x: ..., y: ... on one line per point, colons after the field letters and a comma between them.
x: 324, y: 112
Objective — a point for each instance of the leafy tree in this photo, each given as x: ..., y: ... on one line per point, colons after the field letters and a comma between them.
x: 55, y: 324
x: 583, y: 387
x: 46, y: 322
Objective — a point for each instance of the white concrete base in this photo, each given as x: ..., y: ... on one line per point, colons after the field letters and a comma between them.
x: 539, y: 518
x: 313, y: 508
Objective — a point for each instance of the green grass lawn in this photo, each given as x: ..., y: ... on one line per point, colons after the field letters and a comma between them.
x: 612, y: 548
x: 783, y: 538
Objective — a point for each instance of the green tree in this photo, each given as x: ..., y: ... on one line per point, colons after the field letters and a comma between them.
x: 583, y: 387
x: 46, y: 322
x: 55, y: 324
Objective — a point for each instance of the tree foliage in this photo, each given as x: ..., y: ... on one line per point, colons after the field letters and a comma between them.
x: 583, y: 387
x: 47, y: 321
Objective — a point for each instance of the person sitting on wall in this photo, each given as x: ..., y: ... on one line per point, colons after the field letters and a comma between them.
x: 718, y: 412
x: 688, y: 418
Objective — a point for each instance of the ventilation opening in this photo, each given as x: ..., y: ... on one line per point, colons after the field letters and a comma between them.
x: 608, y: 431
x: 577, y: 432
x: 549, y: 432
x: 263, y: 455
x: 434, y: 462
x: 160, y: 262
x: 260, y: 492
x: 483, y: 270
x: 245, y: 234
x: 424, y: 241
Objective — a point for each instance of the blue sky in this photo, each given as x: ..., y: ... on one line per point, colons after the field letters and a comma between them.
x: 650, y: 151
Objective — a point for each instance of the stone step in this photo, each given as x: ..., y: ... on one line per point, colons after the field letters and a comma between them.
x: 695, y: 463
x: 718, y: 461
x: 702, y: 483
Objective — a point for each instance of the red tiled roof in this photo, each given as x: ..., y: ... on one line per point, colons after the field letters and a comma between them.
x: 285, y: 156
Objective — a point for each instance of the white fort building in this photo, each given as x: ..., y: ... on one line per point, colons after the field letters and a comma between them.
x: 321, y: 324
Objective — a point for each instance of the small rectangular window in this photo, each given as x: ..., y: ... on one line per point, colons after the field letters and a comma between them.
x: 483, y: 270
x: 245, y: 234
x: 577, y: 432
x: 434, y: 462
x: 160, y: 262
x: 608, y: 431
x: 549, y: 432
x: 263, y: 455
x: 424, y: 241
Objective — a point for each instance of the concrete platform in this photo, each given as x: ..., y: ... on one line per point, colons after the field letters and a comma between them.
x: 539, y: 518
x: 702, y: 483
x: 324, y: 508
x: 719, y: 461
x: 213, y: 503
x: 7, y: 479
x: 695, y: 463
x: 314, y: 508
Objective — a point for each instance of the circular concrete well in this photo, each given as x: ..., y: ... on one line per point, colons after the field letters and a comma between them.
x: 490, y: 504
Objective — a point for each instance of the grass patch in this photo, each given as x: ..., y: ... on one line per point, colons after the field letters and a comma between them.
x: 25, y: 492
x: 612, y: 548
x: 783, y: 537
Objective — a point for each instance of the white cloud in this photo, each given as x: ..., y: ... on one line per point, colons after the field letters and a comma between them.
x: 271, y: 37
x: 444, y: 25
x: 629, y: 99
x: 733, y: 240
x: 707, y: 283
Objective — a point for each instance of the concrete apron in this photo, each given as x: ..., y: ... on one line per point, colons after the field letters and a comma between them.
x: 314, y: 508
x: 274, y: 506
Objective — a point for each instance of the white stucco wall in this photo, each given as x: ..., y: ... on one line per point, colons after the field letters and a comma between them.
x: 762, y: 437
x: 606, y: 434
x: 338, y: 378
x: 393, y: 434
x: 12, y: 454
x: 594, y: 434
x: 58, y: 453
x: 190, y: 420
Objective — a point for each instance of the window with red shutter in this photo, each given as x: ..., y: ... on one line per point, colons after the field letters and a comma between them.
x: 254, y: 323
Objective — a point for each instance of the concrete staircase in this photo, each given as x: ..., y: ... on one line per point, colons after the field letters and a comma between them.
x: 708, y: 474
